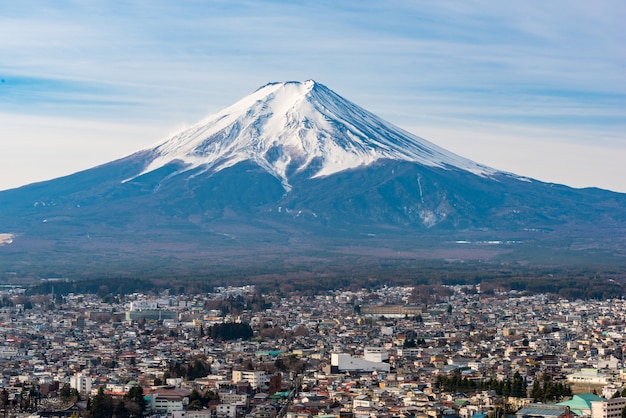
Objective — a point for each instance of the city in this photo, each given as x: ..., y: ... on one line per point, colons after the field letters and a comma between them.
x: 312, y: 209
x: 424, y: 351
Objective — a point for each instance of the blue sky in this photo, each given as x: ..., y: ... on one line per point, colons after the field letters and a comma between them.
x: 534, y: 88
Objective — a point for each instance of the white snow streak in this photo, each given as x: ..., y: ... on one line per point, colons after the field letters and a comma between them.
x: 419, y: 183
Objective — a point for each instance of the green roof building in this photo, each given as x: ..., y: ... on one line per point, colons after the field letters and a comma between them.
x: 581, y: 404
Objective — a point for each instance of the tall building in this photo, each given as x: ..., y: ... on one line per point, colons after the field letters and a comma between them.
x: 81, y: 382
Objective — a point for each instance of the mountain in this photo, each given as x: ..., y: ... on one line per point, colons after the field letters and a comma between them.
x: 291, y: 172
x: 293, y: 128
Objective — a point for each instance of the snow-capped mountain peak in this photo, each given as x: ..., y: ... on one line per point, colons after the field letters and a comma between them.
x: 289, y: 127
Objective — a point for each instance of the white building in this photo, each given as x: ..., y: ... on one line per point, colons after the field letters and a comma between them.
x: 588, y: 376
x: 373, y: 360
x: 206, y: 413
x: 226, y: 410
x: 256, y: 378
x: 167, y: 401
x: 610, y: 363
x: 609, y: 390
x: 81, y: 382
x: 233, y: 398
x: 610, y: 408
x: 142, y: 305
x: 362, y: 401
x: 375, y: 354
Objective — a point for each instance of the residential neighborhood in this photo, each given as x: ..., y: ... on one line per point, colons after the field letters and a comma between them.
x: 438, y: 351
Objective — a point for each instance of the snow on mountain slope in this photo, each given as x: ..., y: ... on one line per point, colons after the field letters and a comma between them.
x: 292, y: 126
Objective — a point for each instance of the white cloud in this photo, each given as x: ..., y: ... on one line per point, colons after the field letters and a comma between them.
x: 577, y: 159
x: 40, y: 148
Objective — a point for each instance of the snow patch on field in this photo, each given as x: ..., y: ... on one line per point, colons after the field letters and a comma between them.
x: 6, y: 239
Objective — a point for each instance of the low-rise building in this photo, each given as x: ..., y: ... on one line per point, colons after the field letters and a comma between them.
x: 536, y: 410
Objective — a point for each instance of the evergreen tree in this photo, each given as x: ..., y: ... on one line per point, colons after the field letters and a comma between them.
x: 4, y: 399
x: 518, y: 387
x: 546, y: 390
x: 121, y: 411
x: 536, y: 393
x: 209, y: 396
x: 409, y: 343
x: 194, y: 395
x: 135, y: 395
x: 507, y: 389
x: 65, y: 392
x: 101, y: 406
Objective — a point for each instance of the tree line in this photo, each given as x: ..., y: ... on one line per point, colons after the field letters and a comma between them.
x: 543, y: 389
x: 428, y: 277
x: 229, y: 331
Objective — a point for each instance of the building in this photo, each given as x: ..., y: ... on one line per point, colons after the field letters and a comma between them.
x: 199, y: 414
x: 263, y: 411
x: 151, y: 314
x: 143, y: 305
x: 588, y: 376
x: 608, y: 408
x: 233, y: 398
x: 8, y: 352
x: 581, y: 404
x: 374, y: 360
x: 167, y: 401
x: 537, y: 410
x: 226, y: 410
x: 391, y: 311
x: 256, y: 378
x: 81, y: 382
x: 376, y: 354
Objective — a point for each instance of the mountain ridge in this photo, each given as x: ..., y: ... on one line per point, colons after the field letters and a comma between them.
x: 251, y: 180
